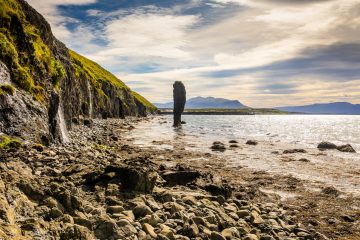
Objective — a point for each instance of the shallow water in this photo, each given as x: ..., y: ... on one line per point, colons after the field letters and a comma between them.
x: 274, y: 133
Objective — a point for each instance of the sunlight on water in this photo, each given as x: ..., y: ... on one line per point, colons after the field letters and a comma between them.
x: 274, y: 133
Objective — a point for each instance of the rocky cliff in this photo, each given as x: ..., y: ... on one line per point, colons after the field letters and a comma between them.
x: 45, y: 87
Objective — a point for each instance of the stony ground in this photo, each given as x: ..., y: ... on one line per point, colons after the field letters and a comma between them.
x: 101, y: 186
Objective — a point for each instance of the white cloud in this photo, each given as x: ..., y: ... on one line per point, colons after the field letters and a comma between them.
x: 49, y: 9
x: 260, y: 33
x: 149, y: 35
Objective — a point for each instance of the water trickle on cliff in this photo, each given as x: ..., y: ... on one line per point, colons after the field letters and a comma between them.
x: 90, y: 100
x: 62, y: 124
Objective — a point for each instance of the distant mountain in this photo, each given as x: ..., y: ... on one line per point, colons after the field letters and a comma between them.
x: 326, y: 108
x: 206, y: 102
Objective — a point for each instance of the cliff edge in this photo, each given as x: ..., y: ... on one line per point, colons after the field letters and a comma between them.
x: 45, y: 87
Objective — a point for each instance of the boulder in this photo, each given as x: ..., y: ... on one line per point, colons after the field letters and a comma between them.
x: 218, y: 146
x: 252, y: 142
x: 346, y: 148
x: 326, y: 145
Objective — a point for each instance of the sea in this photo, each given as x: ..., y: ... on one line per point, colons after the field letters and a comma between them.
x: 275, y: 133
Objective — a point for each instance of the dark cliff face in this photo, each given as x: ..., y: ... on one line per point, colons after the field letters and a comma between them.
x: 50, y: 81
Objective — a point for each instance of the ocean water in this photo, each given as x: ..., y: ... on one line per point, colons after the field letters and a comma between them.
x: 306, y: 130
x: 274, y: 133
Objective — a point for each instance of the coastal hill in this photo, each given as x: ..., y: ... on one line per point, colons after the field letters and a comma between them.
x: 326, y: 108
x: 45, y: 87
x: 206, y: 103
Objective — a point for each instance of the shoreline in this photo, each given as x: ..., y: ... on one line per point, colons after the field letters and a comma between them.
x: 74, y: 191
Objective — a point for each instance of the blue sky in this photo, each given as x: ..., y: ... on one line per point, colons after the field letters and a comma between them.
x: 264, y: 53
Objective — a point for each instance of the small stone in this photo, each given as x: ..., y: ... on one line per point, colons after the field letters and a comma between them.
x: 230, y: 233
x: 141, y: 211
x: 216, y: 236
x: 55, y: 213
x: 149, y: 230
x: 115, y: 209
x: 256, y: 218
x: 243, y: 213
x: 296, y: 150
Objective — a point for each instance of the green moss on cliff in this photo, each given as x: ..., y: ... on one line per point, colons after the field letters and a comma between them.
x: 98, y: 75
x: 9, y: 55
x: 24, y: 66
x: 7, y: 89
x: 94, y: 71
x: 8, y: 143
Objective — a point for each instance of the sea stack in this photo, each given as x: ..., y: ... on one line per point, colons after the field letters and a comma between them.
x: 179, y: 102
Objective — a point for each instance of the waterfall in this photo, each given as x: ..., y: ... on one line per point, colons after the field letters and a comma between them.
x: 62, y: 125
x: 90, y: 100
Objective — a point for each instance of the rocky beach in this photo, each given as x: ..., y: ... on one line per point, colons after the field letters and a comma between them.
x: 84, y: 156
x: 103, y: 186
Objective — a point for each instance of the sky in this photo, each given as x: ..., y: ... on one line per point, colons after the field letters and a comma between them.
x: 265, y: 53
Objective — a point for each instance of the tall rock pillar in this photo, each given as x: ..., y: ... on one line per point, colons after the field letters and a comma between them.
x: 179, y: 102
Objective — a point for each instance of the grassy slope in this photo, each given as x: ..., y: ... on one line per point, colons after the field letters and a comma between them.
x: 26, y: 76
x: 23, y: 73
x: 97, y: 75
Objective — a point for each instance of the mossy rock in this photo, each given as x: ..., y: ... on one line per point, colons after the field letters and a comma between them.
x: 7, y: 89
x: 9, y: 144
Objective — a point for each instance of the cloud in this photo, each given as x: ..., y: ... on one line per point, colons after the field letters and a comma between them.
x: 149, y: 35
x: 263, y: 52
x: 49, y: 9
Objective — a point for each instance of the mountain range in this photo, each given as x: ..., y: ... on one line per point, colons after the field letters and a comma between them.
x: 325, y: 108
x: 206, y: 102
x: 222, y: 103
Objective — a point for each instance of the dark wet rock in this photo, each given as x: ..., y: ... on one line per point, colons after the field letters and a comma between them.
x: 346, y: 148
x: 38, y: 147
x: 252, y: 142
x: 134, y: 176
x: 304, y: 160
x: 180, y: 177
x: 296, y: 150
x: 330, y: 191
x: 222, y: 190
x: 218, y: 146
x: 348, y: 218
x: 88, y: 122
x: 179, y: 102
x: 233, y: 141
x: 326, y: 145
x: 234, y: 146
